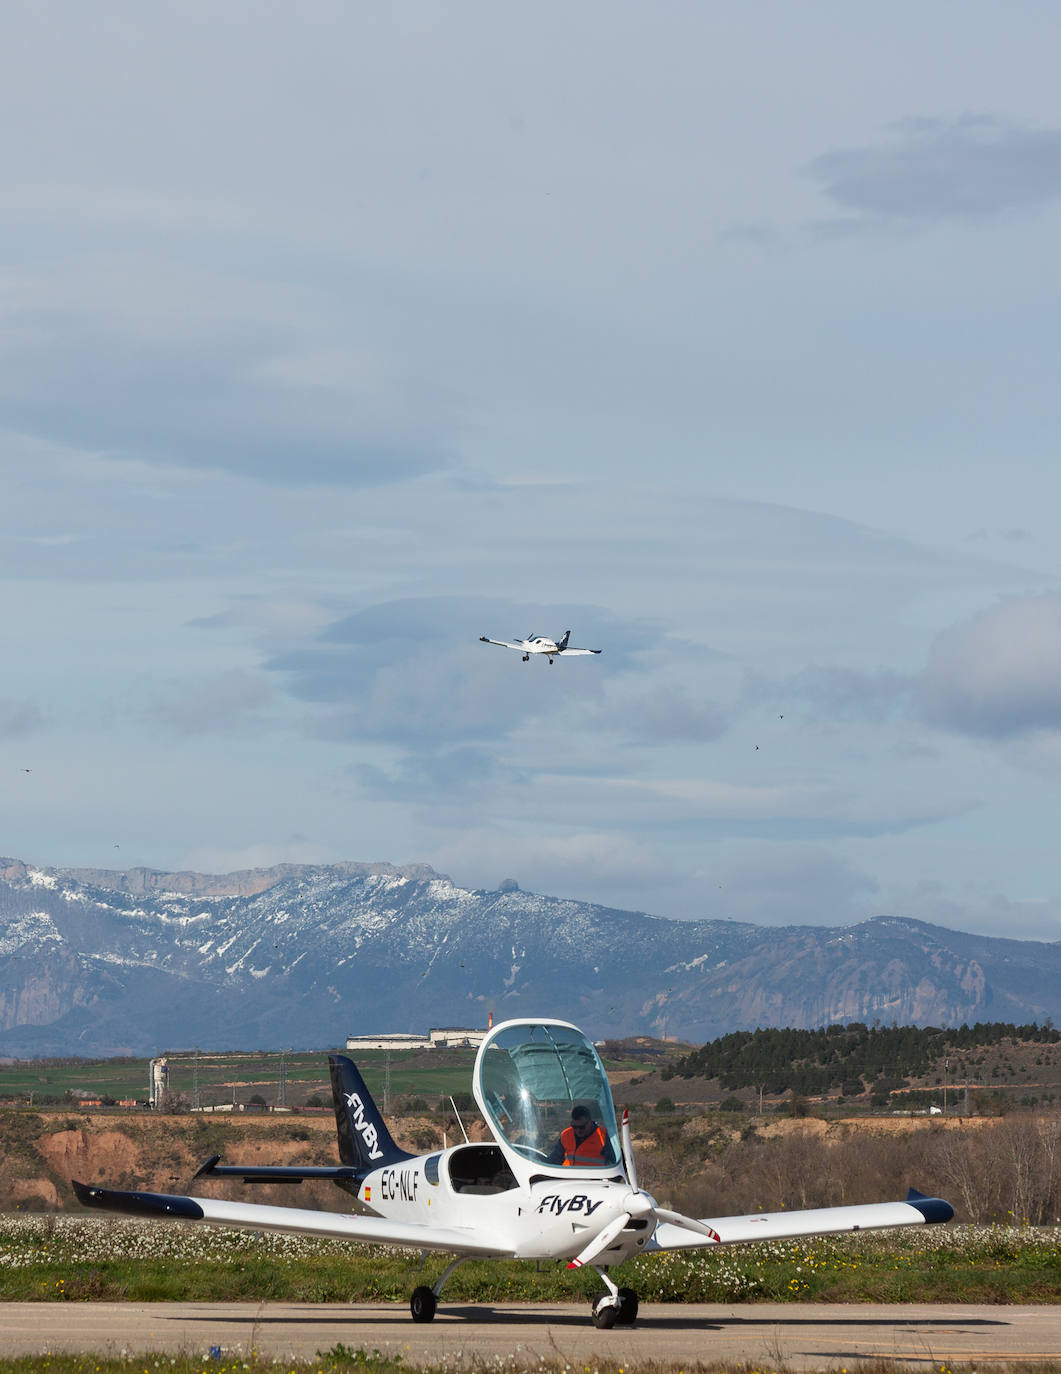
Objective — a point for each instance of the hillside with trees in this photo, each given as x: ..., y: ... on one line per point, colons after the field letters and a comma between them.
x: 854, y: 1059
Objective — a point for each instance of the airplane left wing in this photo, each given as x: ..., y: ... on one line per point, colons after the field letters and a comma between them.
x: 501, y: 643
x: 917, y: 1210
x: 297, y: 1220
x: 568, y: 652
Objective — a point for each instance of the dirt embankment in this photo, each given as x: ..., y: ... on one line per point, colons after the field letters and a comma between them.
x: 41, y: 1152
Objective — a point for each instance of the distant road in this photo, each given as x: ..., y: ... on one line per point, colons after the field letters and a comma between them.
x: 800, y: 1335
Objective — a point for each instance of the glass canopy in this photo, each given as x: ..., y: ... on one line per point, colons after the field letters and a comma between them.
x: 531, y: 1077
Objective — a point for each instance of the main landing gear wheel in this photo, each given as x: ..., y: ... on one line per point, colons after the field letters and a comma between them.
x: 627, y: 1307
x: 422, y: 1304
x: 605, y: 1312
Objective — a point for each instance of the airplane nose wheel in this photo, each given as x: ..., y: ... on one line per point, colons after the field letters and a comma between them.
x: 617, y: 1307
x: 605, y: 1312
x: 628, y: 1305
x: 422, y: 1304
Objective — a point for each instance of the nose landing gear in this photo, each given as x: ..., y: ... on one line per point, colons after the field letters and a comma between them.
x: 617, y: 1307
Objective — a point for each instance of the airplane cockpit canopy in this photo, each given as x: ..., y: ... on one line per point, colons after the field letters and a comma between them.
x: 529, y: 1077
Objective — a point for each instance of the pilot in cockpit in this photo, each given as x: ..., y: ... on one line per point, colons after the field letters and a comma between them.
x: 583, y: 1142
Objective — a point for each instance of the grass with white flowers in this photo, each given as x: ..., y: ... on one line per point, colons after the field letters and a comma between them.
x: 59, y: 1258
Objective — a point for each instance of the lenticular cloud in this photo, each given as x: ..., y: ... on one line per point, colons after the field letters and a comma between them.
x: 999, y: 674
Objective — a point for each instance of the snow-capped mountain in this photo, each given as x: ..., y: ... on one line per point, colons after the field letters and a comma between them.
x: 95, y: 962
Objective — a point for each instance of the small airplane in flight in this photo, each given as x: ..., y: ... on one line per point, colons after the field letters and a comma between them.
x: 557, y: 1181
x: 538, y: 644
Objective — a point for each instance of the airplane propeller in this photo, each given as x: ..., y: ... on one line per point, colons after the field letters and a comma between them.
x: 638, y: 1205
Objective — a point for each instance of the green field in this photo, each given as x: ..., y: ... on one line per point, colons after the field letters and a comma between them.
x: 219, y: 1077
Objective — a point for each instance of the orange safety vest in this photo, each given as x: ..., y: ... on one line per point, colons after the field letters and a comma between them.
x: 583, y: 1151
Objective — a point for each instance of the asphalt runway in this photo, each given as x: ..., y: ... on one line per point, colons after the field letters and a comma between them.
x: 802, y: 1336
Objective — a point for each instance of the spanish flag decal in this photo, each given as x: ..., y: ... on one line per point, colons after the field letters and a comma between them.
x: 367, y: 1194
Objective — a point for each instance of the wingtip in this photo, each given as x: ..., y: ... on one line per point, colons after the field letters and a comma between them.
x: 483, y: 639
x: 137, y: 1204
x: 933, y: 1209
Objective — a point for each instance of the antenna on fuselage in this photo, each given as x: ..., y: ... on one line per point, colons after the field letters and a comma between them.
x: 460, y: 1123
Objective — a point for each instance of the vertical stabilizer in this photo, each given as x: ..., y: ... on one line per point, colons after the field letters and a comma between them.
x: 561, y: 644
x: 364, y: 1140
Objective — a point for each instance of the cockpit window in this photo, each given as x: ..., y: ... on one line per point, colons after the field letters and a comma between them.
x: 532, y: 1078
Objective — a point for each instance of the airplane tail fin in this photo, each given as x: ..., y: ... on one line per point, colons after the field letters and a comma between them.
x: 364, y: 1140
x: 561, y: 644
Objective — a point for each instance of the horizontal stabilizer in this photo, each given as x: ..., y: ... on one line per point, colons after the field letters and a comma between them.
x: 278, y: 1173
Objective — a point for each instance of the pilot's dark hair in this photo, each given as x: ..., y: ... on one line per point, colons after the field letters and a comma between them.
x: 580, y: 1113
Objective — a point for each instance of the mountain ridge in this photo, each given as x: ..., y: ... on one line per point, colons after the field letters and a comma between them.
x: 96, y: 961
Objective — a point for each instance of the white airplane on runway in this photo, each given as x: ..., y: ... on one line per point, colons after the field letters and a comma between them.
x: 556, y: 1182
x: 538, y: 644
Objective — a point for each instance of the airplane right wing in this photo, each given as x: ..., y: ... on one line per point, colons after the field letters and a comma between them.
x: 567, y: 652
x: 501, y: 643
x: 297, y: 1220
x: 818, y: 1221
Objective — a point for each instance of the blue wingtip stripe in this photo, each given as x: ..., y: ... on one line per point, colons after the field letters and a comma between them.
x: 138, y: 1204
x: 933, y: 1209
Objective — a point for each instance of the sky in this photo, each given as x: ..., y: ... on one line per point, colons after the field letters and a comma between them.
x: 334, y: 336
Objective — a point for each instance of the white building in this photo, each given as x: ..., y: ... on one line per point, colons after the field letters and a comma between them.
x: 456, y: 1037
x: 396, y: 1040
x: 437, y: 1038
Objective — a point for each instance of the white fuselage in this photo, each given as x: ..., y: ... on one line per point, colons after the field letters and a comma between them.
x: 551, y: 1217
x: 540, y: 646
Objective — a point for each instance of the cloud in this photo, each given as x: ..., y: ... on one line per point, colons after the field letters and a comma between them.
x: 583, y: 864
x: 413, y: 673
x: 224, y: 701
x: 934, y: 169
x: 997, y: 675
x: 839, y: 693
x: 665, y: 715
x: 980, y: 911
x: 448, y: 778
x: 784, y: 812
x: 19, y: 718
x: 296, y: 849
x: 182, y: 370
x: 789, y: 884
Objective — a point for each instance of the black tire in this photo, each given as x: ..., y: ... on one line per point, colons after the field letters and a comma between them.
x: 605, y: 1314
x: 628, y: 1306
x: 422, y: 1304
